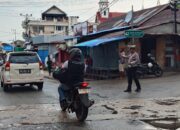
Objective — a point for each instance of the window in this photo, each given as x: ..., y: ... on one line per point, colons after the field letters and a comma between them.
x: 59, y: 28
x: 23, y: 58
x: 104, y: 13
x: 37, y: 29
x: 49, y: 18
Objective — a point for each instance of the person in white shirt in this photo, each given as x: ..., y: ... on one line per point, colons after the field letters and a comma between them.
x: 133, y: 62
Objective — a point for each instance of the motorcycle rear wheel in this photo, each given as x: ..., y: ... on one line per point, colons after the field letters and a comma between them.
x: 81, y: 112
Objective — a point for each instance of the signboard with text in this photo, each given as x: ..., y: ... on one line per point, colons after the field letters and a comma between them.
x: 134, y: 33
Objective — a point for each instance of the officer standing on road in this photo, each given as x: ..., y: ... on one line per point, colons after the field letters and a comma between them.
x: 133, y: 62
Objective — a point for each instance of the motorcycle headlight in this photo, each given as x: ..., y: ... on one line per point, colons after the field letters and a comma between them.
x: 150, y: 65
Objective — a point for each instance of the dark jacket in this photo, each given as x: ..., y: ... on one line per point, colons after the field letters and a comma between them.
x: 75, y: 72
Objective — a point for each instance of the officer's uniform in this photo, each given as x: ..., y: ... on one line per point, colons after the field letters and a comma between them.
x: 133, y: 62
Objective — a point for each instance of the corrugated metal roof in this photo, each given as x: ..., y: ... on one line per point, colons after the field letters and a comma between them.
x: 139, y: 17
x: 101, y: 41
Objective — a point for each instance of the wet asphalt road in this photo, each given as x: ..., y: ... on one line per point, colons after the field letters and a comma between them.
x: 101, y: 91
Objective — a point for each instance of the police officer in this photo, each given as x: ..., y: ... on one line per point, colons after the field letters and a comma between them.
x: 133, y: 62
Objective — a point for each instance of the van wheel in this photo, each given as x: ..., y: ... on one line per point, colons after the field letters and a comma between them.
x: 40, y: 86
x: 6, y: 87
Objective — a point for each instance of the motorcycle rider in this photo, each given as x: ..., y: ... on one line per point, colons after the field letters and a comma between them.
x: 75, y: 73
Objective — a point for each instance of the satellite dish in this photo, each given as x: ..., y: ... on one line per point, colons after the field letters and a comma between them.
x: 128, y: 17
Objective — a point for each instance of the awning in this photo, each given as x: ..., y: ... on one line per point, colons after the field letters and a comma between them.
x: 97, y: 42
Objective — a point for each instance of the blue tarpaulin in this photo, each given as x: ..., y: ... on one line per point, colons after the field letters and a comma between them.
x: 101, y: 41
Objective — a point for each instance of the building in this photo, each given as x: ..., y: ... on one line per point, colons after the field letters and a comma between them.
x: 53, y: 21
x: 160, y: 39
x: 49, y: 32
x: 49, y: 45
x: 104, y: 12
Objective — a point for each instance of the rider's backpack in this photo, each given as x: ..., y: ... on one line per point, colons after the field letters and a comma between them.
x: 61, y: 74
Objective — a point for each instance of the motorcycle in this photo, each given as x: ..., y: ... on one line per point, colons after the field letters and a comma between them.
x: 77, y: 101
x: 151, y: 68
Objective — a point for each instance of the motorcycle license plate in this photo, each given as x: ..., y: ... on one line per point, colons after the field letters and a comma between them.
x: 83, y: 91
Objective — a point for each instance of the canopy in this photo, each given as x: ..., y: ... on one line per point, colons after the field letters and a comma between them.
x: 101, y: 41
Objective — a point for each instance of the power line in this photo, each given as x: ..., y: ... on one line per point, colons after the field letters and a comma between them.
x: 110, y: 5
x: 8, y: 32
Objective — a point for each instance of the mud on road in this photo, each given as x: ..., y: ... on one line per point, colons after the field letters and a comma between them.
x: 156, y: 112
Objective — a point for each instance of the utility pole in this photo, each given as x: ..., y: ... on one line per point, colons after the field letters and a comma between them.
x: 132, y: 24
x: 158, y: 3
x: 15, y: 33
x: 175, y: 17
x: 173, y: 6
x: 26, y: 21
x: 142, y: 4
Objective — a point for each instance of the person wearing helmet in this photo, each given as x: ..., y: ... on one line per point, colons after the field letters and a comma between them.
x: 133, y: 62
x: 75, y: 72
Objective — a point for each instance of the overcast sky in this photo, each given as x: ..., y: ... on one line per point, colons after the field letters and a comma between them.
x: 11, y: 20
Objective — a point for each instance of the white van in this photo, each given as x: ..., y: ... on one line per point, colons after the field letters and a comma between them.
x: 22, y: 68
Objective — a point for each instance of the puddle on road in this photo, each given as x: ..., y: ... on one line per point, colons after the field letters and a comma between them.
x: 164, y: 123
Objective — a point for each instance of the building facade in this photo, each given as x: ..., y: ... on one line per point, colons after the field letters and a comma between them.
x: 53, y: 21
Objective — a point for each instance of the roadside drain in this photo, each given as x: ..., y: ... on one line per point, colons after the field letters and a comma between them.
x: 164, y: 123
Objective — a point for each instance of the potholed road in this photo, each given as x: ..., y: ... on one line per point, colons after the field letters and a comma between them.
x: 26, y: 108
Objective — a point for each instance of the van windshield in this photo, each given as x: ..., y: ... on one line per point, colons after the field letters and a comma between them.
x: 23, y: 58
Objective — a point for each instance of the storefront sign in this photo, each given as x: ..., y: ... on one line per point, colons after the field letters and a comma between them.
x: 134, y: 33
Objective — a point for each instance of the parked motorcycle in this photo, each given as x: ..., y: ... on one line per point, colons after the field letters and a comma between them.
x: 150, y: 68
x: 78, y: 101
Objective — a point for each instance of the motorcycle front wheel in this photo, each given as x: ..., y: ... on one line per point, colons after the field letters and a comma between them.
x: 81, y: 112
x: 158, y: 72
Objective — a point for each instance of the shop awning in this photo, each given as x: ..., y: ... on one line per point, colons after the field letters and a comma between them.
x: 97, y: 42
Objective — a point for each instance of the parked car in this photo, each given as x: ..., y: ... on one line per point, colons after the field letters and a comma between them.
x: 21, y: 68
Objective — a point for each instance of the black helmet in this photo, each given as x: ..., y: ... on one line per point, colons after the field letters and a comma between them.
x: 75, y: 54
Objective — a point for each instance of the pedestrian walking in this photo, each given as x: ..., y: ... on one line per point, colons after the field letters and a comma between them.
x: 49, y: 65
x: 133, y: 62
x: 88, y: 63
x: 122, y: 59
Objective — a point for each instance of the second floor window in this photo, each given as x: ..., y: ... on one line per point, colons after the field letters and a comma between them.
x: 59, y: 28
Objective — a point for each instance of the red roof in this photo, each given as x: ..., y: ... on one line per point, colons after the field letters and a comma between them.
x: 99, y: 19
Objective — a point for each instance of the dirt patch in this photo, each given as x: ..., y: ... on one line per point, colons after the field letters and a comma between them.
x: 134, y: 107
x: 167, y: 102
x: 110, y: 108
x: 155, y: 112
x: 98, y: 95
x: 164, y: 123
